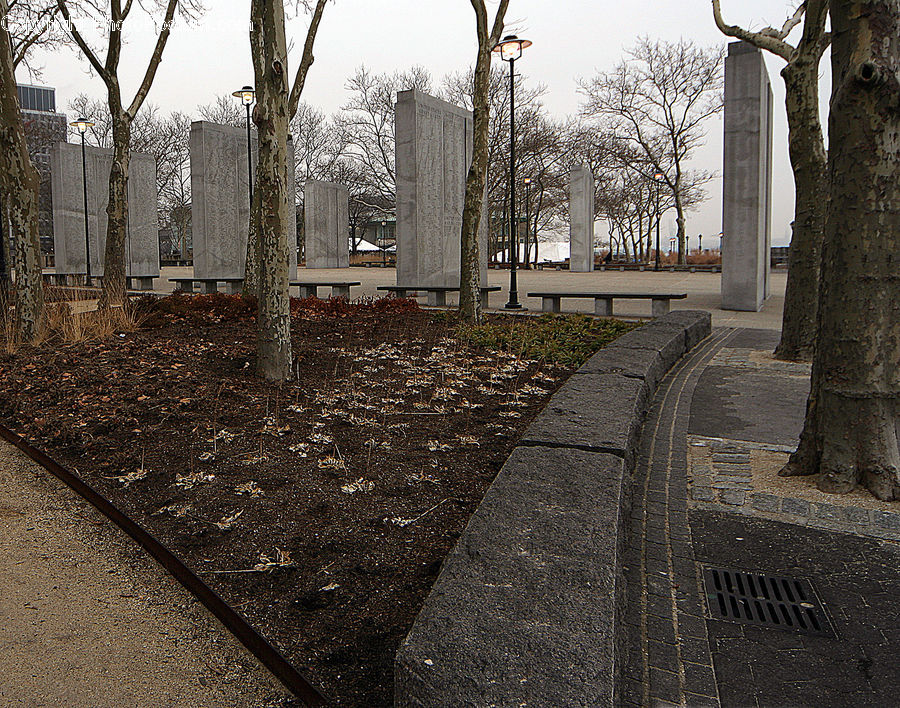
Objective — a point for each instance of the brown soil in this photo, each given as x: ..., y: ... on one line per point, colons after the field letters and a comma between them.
x: 322, y: 509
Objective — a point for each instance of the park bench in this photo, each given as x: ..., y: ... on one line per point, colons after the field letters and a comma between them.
x: 603, y: 302
x: 437, y: 296
x: 133, y: 283
x: 339, y: 288
x: 208, y: 285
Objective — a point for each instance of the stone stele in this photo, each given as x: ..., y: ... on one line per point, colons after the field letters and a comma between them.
x: 581, y: 220
x: 326, y: 219
x: 67, y: 184
x: 747, y: 180
x: 433, y: 155
x: 220, y: 200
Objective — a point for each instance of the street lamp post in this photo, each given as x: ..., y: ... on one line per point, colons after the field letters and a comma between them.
x: 82, y: 124
x: 700, y: 243
x: 383, y: 246
x: 658, y: 177
x: 248, y: 96
x: 527, y: 181
x: 510, y: 48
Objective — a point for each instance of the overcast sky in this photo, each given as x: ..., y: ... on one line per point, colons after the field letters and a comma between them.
x: 572, y: 38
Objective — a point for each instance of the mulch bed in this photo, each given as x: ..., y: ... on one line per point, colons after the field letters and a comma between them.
x: 319, y: 509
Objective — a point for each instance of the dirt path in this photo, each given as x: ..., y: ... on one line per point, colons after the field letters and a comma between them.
x: 87, y: 620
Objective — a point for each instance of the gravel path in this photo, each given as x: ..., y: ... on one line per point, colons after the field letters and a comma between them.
x: 88, y: 620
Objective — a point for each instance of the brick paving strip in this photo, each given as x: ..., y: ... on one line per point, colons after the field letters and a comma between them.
x: 669, y: 661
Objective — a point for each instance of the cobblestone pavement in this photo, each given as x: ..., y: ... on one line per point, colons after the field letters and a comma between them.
x: 706, y: 492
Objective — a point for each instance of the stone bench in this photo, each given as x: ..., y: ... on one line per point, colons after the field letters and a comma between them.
x: 133, y: 283
x: 339, y: 288
x: 603, y: 302
x: 437, y: 296
x: 208, y: 286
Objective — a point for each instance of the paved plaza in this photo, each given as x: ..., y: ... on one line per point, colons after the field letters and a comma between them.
x: 703, y: 290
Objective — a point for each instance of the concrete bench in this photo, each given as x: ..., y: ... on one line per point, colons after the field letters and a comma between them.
x: 133, y: 283
x: 208, y: 285
x: 603, y: 302
x: 437, y: 296
x: 338, y: 288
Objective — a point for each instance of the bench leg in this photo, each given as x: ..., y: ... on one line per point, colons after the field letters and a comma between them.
x: 210, y: 288
x: 341, y: 291
x: 550, y: 304
x: 437, y: 298
x: 603, y: 306
x: 185, y: 288
x: 140, y: 283
x: 309, y: 291
x: 485, y: 303
x: 659, y: 306
x: 234, y: 288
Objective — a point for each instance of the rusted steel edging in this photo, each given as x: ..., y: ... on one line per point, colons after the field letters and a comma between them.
x: 267, y: 654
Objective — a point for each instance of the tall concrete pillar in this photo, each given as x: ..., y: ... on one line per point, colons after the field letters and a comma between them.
x: 142, y: 238
x: 747, y: 180
x: 433, y: 155
x: 581, y: 220
x: 220, y: 200
x: 326, y: 219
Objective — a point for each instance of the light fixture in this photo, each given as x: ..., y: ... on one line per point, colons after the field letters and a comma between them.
x: 82, y: 124
x: 510, y: 47
x: 246, y: 94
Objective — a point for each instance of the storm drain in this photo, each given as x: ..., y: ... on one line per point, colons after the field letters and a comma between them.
x: 773, y: 601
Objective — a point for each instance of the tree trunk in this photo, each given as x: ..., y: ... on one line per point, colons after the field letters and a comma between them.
x: 470, y: 273
x: 117, y: 212
x: 272, y: 118
x: 251, y: 265
x: 809, y: 163
x: 20, y: 184
x: 850, y: 434
x: 680, y: 221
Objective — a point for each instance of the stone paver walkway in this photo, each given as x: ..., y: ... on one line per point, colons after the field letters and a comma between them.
x: 706, y: 493
x: 89, y: 621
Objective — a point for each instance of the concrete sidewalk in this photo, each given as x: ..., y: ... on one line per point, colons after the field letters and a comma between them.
x: 88, y: 620
x: 707, y: 495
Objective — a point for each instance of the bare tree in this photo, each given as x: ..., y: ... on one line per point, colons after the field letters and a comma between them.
x: 470, y: 273
x: 660, y: 98
x: 367, y: 122
x: 19, y: 180
x: 277, y: 103
x: 114, y: 16
x: 224, y: 111
x: 808, y: 161
x: 850, y: 436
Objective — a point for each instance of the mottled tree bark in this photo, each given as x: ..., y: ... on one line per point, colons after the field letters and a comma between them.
x: 20, y: 183
x: 850, y: 435
x: 267, y: 38
x: 808, y: 161
x: 470, y: 272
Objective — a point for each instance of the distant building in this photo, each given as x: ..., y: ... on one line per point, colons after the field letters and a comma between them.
x: 43, y: 127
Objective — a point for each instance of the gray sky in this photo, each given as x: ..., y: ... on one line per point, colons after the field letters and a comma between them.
x: 571, y: 38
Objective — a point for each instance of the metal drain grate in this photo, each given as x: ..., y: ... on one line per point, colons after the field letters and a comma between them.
x: 774, y: 601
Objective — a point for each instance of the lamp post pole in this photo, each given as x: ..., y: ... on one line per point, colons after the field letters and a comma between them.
x: 527, y: 218
x: 247, y: 96
x: 658, y: 177
x: 510, y: 48
x: 82, y: 124
x: 87, y: 239
x: 700, y: 243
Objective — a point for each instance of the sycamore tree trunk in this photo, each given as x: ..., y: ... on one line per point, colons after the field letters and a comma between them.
x: 808, y: 161
x: 850, y: 435
x: 272, y: 117
x: 117, y: 211
x: 20, y: 183
x: 470, y: 273
x: 679, y: 218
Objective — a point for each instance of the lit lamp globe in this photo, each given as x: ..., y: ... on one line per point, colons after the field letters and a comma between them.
x: 82, y: 124
x: 246, y: 94
x: 510, y: 47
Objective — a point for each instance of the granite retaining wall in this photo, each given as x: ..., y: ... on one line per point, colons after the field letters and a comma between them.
x: 527, y: 606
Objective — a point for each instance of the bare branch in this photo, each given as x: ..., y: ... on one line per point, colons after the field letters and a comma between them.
x: 307, y: 59
x: 768, y: 39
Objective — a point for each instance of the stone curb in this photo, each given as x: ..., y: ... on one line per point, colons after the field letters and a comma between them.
x: 527, y: 605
